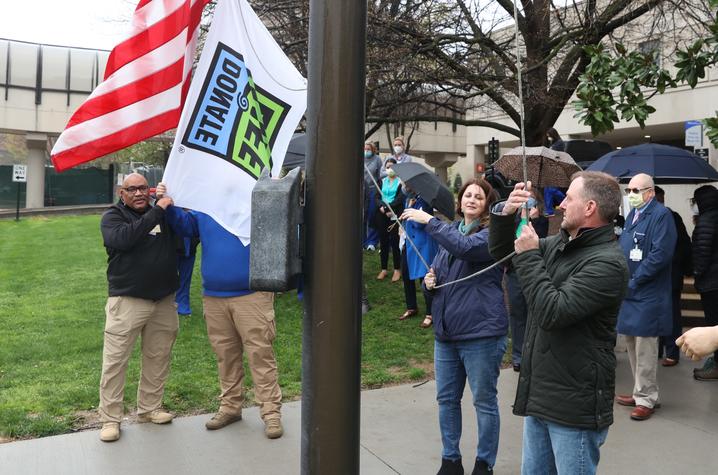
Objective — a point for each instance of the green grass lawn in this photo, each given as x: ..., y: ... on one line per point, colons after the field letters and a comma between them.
x: 52, y: 296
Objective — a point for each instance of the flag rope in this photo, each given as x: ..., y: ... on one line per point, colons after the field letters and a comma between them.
x: 428, y: 268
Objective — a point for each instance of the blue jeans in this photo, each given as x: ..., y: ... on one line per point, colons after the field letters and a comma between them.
x: 550, y: 448
x: 478, y: 360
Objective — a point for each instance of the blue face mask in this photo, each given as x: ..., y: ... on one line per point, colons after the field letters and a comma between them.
x: 368, y: 153
x: 531, y: 202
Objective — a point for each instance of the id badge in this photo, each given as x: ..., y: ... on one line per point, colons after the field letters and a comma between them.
x: 636, y: 255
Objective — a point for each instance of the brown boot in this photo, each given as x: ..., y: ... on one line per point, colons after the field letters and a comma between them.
x: 222, y: 419
x: 273, y: 428
x: 158, y: 416
x: 110, y: 431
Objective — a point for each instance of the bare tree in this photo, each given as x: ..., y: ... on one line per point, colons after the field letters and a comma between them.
x: 454, y: 60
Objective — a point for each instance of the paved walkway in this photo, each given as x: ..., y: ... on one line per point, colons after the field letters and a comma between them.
x: 399, y: 434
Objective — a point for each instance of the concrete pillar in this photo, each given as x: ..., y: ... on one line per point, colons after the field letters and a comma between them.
x: 36, y: 159
x: 443, y: 173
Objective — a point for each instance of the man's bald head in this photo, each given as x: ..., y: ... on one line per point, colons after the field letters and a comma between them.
x: 642, y: 184
x: 641, y: 180
x: 134, y: 179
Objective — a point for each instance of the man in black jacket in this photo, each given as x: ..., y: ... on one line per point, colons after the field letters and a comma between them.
x: 142, y: 278
x: 573, y: 283
x: 705, y: 266
x: 680, y: 266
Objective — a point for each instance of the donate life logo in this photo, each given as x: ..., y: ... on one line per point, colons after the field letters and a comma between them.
x: 235, y: 119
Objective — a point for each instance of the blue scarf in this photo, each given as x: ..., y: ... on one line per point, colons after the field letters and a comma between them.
x: 466, y: 230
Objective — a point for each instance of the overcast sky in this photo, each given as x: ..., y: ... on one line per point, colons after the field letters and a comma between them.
x: 86, y: 23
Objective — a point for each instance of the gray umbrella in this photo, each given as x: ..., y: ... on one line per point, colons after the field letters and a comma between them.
x: 545, y: 167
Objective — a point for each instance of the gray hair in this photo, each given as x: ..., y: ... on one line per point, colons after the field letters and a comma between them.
x: 604, y: 190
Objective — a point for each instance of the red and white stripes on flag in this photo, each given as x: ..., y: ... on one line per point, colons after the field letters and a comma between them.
x: 146, y: 81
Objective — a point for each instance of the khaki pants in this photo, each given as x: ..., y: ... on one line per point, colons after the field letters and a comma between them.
x: 244, y: 324
x: 127, y: 318
x: 643, y: 356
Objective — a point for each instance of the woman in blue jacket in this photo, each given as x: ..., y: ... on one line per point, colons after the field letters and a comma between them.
x: 470, y: 324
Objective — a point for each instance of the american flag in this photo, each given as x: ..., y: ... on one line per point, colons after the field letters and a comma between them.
x: 146, y: 81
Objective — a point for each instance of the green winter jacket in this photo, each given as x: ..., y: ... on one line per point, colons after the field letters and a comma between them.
x: 573, y: 291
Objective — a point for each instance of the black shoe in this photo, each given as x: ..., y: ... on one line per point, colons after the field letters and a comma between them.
x: 451, y: 467
x: 482, y: 468
x: 517, y: 367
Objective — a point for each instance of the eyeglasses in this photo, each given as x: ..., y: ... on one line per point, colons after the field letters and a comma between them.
x: 637, y: 190
x: 134, y: 189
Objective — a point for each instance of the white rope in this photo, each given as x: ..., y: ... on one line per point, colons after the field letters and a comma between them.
x: 406, y: 235
x: 428, y: 268
x: 486, y: 269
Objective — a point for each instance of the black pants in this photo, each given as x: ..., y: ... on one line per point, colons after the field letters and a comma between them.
x: 410, y: 287
x: 710, y: 309
x: 389, y: 240
x: 669, y: 341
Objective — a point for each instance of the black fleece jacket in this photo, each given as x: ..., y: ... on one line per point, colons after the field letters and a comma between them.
x: 705, y: 240
x: 141, y: 253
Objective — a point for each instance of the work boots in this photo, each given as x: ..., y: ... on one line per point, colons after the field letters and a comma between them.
x: 110, y: 431
x: 273, y: 428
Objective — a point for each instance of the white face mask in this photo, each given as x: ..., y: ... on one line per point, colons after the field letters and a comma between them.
x: 694, y: 209
x: 398, y: 149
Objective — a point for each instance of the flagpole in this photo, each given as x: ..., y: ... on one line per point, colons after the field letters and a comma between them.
x: 331, y: 353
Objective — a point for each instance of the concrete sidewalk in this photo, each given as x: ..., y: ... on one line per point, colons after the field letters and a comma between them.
x: 399, y: 434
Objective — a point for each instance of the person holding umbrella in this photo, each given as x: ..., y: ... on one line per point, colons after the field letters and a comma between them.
x: 470, y: 324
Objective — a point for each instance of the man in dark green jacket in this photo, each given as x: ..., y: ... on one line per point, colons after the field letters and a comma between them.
x: 574, y: 283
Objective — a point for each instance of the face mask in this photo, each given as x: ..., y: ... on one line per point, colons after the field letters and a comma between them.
x: 390, y: 173
x: 531, y: 203
x: 398, y: 149
x: 694, y: 209
x: 368, y: 154
x: 635, y: 199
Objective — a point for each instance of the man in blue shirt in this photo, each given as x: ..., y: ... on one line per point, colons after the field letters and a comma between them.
x: 238, y: 319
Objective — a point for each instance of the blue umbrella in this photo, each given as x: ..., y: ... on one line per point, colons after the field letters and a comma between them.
x: 664, y: 163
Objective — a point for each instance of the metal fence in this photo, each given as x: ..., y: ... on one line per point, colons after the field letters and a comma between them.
x: 78, y: 186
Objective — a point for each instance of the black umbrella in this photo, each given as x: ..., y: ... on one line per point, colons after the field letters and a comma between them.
x: 427, y: 185
x: 296, y: 152
x: 664, y: 163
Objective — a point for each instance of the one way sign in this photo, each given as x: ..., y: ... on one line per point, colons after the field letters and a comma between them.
x: 19, y: 173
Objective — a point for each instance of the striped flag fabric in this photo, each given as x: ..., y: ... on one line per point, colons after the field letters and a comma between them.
x: 146, y: 81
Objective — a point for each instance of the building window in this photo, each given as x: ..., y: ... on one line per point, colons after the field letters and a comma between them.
x: 652, y: 47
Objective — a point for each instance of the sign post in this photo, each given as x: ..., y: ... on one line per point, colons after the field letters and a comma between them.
x: 694, y: 134
x: 19, y: 175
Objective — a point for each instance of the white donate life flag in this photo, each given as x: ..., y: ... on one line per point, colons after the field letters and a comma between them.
x: 244, y: 103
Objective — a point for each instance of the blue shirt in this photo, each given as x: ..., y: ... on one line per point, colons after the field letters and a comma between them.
x: 225, y: 260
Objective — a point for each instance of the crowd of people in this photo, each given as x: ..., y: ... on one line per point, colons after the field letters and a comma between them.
x: 570, y: 295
